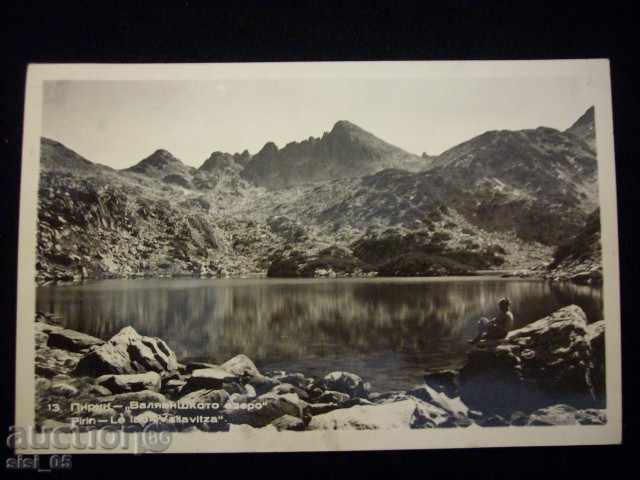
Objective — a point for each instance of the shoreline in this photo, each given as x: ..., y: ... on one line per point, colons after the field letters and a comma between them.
x: 497, y: 274
x: 141, y: 376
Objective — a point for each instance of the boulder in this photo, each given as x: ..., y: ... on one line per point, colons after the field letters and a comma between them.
x: 211, y: 397
x: 345, y: 382
x: 146, y: 399
x: 105, y: 359
x: 42, y: 384
x: 288, y: 422
x: 241, y: 365
x: 591, y: 416
x: 151, y: 353
x: 262, y: 384
x: 553, y: 415
x: 352, y: 402
x: 207, y: 378
x: 63, y: 389
x: 284, y: 388
x: 191, y: 366
x: 71, y: 340
x: 208, y: 402
x: 444, y: 381
x: 544, y: 363
x: 99, y: 390
x: 562, y: 414
x: 404, y: 414
x: 236, y: 399
x: 46, y: 371
x: 128, y: 352
x: 320, y: 408
x: 250, y: 391
x: 296, y: 379
x: 493, y: 420
x: 388, y: 397
x: 266, y: 408
x: 453, y: 406
x: 173, y: 387
x: 595, y: 337
x: 428, y: 415
x: 330, y: 396
x: 44, y: 327
x: 130, y: 383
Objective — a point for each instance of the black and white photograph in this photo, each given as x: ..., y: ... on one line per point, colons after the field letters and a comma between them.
x: 320, y: 256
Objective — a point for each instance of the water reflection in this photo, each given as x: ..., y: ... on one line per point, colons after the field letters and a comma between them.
x: 388, y: 330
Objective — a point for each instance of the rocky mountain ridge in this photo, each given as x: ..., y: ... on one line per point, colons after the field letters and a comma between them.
x: 347, y: 151
x: 477, y: 206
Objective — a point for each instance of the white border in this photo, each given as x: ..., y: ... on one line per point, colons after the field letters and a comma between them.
x: 597, y: 78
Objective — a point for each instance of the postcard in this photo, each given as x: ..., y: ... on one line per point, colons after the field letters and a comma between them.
x: 279, y: 257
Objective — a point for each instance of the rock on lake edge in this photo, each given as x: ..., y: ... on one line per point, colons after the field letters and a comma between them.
x: 547, y: 373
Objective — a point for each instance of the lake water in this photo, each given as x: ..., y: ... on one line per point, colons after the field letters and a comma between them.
x: 389, y: 331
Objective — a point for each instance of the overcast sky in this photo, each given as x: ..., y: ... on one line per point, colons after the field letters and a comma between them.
x: 119, y: 123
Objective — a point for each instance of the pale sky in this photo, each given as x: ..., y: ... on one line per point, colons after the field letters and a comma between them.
x: 118, y: 123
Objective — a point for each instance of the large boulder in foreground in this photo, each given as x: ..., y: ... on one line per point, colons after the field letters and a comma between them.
x: 288, y: 422
x: 153, y: 354
x: 72, y: 340
x: 153, y: 401
x: 403, y: 414
x: 130, y: 383
x: 210, y: 397
x: 565, y: 415
x: 106, y: 359
x: 544, y: 363
x: 128, y: 352
x: 208, y: 378
x: 267, y: 408
x: 241, y: 365
x: 452, y: 405
x: 346, y: 382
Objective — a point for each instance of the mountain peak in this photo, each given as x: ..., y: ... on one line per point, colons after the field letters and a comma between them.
x: 162, y: 152
x: 587, y: 118
x: 269, y: 148
x: 346, y: 151
x: 585, y: 127
x: 345, y: 125
x: 217, y: 160
x: 159, y: 164
x: 160, y: 155
x: 56, y: 156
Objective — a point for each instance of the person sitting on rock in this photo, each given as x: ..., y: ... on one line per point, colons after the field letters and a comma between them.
x: 498, y: 327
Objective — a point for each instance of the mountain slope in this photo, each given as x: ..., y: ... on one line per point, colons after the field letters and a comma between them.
x: 580, y: 257
x: 585, y: 128
x: 344, y: 203
x: 500, y: 181
x: 346, y: 151
x: 96, y: 222
x: 221, y: 172
x: 161, y: 164
x: 543, y: 162
x: 55, y: 156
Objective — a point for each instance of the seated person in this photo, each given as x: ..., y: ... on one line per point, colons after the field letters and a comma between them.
x: 498, y: 327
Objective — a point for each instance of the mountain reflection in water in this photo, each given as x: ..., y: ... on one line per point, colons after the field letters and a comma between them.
x: 386, y: 330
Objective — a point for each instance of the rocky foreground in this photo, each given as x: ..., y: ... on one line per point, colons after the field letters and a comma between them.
x: 550, y: 372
